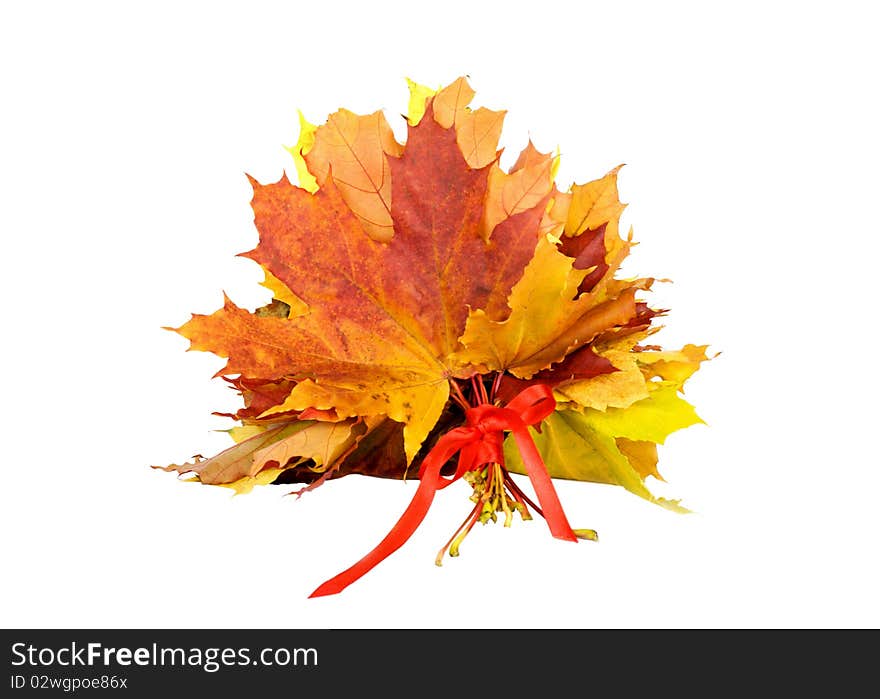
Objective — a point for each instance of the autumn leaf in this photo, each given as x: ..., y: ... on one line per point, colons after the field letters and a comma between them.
x: 651, y: 419
x: 574, y: 449
x: 577, y: 366
x: 258, y: 395
x: 642, y: 456
x: 283, y: 446
x: 618, y: 389
x: 676, y: 366
x: 354, y: 148
x: 527, y: 185
x: 548, y: 317
x: 304, y: 144
x: 418, y: 101
x: 588, y: 445
x: 379, y: 452
x: 384, y: 318
x: 322, y: 443
x: 593, y: 205
x: 238, y: 460
x: 246, y: 484
x: 295, y: 305
x: 477, y: 131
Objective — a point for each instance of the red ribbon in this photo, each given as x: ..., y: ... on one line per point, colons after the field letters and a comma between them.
x: 479, y: 443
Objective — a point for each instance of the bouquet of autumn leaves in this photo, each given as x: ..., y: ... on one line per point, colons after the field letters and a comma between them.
x: 436, y: 317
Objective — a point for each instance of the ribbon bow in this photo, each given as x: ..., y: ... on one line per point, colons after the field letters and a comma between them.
x: 478, y: 443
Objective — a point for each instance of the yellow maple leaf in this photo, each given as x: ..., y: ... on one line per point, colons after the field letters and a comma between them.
x: 548, y: 319
x: 584, y: 446
x: 418, y: 97
x: 594, y: 204
x: 298, y: 307
x: 618, y: 389
x: 303, y: 145
x: 672, y: 365
x: 246, y: 484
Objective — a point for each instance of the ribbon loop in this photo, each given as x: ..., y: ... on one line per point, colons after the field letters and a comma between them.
x: 480, y: 442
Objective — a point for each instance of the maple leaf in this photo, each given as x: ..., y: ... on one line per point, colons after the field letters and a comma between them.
x: 378, y: 453
x: 549, y: 318
x: 259, y: 395
x: 580, y: 446
x: 282, y: 295
x: 354, y: 149
x: 281, y: 447
x: 578, y: 366
x: 527, y: 184
x: 383, y: 318
x: 421, y: 294
x: 476, y: 131
x: 618, y: 389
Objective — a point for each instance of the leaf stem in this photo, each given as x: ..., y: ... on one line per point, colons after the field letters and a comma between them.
x: 495, y: 384
x: 502, y: 494
x: 479, y: 389
x: 458, y: 396
x: 517, y: 491
x: 453, y: 549
x: 472, y: 515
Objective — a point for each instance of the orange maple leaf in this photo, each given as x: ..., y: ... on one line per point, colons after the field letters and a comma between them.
x: 383, y: 318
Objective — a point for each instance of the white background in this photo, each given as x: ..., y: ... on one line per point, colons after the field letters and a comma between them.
x: 750, y: 138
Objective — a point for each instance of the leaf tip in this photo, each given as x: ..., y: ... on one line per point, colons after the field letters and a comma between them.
x: 249, y: 255
x: 253, y: 181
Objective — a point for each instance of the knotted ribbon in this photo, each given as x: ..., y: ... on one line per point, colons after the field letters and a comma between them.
x: 479, y: 442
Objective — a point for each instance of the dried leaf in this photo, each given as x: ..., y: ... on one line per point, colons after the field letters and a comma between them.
x: 296, y: 306
x: 573, y: 447
x: 354, y: 148
x: 594, y: 204
x: 418, y: 98
x: 527, y: 185
x: 383, y: 318
x: 304, y: 144
x: 580, y: 365
x: 548, y: 317
x: 618, y: 389
x: 477, y: 131
x: 676, y: 366
x: 238, y: 460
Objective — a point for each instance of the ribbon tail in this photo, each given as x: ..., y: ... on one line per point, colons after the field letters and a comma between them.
x: 430, y: 481
x: 397, y: 537
x: 543, y: 485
